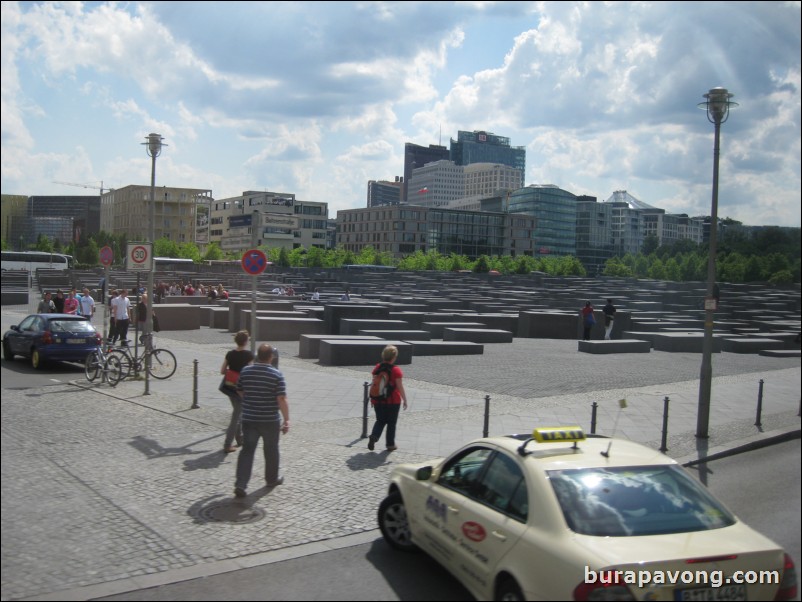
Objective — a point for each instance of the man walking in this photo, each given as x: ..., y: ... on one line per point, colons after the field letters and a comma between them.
x: 87, y: 304
x: 264, y: 397
x: 609, y: 317
x: 121, y: 310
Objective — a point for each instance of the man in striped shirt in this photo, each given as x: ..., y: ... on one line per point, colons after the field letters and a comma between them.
x: 264, y: 405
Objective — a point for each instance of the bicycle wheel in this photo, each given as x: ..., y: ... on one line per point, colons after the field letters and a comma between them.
x: 113, y: 370
x: 162, y: 364
x: 125, y: 361
x: 92, y: 366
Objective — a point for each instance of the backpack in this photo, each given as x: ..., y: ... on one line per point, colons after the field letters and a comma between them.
x: 380, y: 388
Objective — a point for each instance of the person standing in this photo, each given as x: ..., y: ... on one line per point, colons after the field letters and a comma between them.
x: 87, y: 305
x: 46, y: 305
x: 264, y: 404
x: 71, y: 304
x: 121, y: 310
x: 235, y: 361
x: 609, y: 316
x: 388, y: 409
x: 58, y: 301
x: 588, y: 320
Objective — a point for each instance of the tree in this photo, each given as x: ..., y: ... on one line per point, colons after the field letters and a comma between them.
x: 650, y: 244
x: 213, y: 253
x: 43, y: 243
x: 481, y: 266
x: 163, y: 247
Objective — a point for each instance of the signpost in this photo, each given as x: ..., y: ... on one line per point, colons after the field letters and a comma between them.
x: 138, y: 256
x: 106, y: 259
x: 254, y: 263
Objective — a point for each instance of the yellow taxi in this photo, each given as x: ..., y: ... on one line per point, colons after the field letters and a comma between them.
x: 557, y: 516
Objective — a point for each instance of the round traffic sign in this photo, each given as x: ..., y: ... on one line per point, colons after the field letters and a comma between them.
x: 139, y: 254
x: 106, y: 256
x: 254, y: 262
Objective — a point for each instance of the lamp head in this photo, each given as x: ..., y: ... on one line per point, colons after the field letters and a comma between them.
x: 717, y: 105
x: 154, y: 144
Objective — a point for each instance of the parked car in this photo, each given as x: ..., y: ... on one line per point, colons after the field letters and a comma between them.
x: 556, y: 516
x: 51, y: 337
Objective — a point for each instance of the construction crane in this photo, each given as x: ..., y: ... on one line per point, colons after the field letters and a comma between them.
x: 100, y: 188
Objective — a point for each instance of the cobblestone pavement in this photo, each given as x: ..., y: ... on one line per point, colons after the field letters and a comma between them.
x: 107, y: 490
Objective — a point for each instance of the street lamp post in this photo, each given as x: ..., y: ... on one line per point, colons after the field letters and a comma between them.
x: 717, y: 105
x: 154, y: 146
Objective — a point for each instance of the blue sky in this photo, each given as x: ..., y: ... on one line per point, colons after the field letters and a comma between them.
x: 317, y: 98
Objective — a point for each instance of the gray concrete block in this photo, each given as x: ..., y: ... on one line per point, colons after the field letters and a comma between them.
x: 287, y: 329
x: 615, y: 346
x: 477, y: 335
x: 360, y: 352
x: 404, y: 335
x: 309, y: 344
x: 423, y: 348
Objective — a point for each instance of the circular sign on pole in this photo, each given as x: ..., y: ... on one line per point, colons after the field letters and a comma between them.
x: 139, y: 255
x: 254, y: 262
x: 106, y: 256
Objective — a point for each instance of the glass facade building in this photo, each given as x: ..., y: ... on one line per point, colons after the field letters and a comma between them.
x: 416, y: 156
x: 554, y: 210
x: 486, y: 147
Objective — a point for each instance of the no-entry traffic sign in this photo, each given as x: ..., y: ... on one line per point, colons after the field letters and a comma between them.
x: 254, y: 262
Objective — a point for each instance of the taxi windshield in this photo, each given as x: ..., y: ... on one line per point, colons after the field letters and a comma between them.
x: 636, y: 500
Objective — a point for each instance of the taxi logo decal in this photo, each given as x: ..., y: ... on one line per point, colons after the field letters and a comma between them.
x: 474, y: 531
x: 436, y: 507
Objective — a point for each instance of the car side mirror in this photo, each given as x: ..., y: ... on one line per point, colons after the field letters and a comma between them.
x: 424, y: 474
x: 15, y: 328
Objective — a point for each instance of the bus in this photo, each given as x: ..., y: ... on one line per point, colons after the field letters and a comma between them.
x: 33, y: 260
x: 172, y: 262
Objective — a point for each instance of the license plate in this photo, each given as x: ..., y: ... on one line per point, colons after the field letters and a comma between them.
x: 76, y: 341
x: 713, y: 594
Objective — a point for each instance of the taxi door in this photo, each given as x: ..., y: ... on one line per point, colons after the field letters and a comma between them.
x: 486, y: 521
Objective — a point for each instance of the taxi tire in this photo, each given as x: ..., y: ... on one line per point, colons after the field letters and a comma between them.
x: 8, y: 355
x: 394, y: 524
x: 509, y: 590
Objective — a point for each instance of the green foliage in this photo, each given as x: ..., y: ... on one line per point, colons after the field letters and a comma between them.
x: 213, y: 253
x: 481, y: 265
x: 782, y: 277
x: 43, y: 243
x: 164, y: 247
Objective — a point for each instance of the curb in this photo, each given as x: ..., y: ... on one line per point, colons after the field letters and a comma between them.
x: 749, y: 444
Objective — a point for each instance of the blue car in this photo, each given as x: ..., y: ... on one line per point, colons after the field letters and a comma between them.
x: 51, y: 337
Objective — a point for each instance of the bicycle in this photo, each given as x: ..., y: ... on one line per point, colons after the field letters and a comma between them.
x: 103, y: 362
x: 162, y: 361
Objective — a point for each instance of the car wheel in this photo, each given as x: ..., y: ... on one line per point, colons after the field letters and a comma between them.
x: 394, y: 524
x: 7, y: 353
x: 509, y: 590
x: 36, y: 359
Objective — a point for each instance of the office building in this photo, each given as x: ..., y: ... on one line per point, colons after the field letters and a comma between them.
x: 283, y: 222
x: 554, y: 210
x: 487, y: 147
x: 66, y: 219
x: 383, y: 192
x: 416, y: 156
x: 436, y: 184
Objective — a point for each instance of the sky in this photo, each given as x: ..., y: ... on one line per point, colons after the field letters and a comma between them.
x: 318, y: 98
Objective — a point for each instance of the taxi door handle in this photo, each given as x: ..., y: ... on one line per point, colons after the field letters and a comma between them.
x: 499, y: 535
x: 453, y: 509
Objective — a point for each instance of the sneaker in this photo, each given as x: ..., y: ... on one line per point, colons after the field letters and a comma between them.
x: 239, y: 492
x: 371, y: 443
x: 277, y: 482
x: 392, y: 447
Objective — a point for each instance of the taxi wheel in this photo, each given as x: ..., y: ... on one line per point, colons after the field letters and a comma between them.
x: 7, y: 353
x: 509, y: 591
x: 394, y: 524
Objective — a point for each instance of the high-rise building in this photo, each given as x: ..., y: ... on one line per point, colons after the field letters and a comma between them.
x: 488, y: 179
x: 436, y: 184
x: 487, y: 147
x: 383, y: 192
x: 64, y: 219
x: 416, y: 156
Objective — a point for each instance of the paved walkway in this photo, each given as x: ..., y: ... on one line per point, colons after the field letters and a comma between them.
x: 107, y: 490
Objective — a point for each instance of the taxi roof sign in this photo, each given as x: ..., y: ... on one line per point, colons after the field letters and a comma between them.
x: 558, y: 434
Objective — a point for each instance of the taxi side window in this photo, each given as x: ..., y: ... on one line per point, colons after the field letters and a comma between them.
x: 27, y: 323
x: 462, y: 473
x: 504, y: 488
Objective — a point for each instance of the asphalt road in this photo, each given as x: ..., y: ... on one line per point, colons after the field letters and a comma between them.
x: 762, y: 487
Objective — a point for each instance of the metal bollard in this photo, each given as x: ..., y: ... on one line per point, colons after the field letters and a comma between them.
x: 486, y: 430
x: 758, y: 422
x: 664, y: 442
x: 594, y: 408
x: 195, y: 405
x: 365, y: 410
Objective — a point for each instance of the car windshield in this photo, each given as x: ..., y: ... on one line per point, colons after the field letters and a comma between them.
x: 636, y: 500
x: 71, y: 326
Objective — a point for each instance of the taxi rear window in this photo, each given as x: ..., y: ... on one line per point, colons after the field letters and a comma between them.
x: 635, y: 500
x: 71, y: 326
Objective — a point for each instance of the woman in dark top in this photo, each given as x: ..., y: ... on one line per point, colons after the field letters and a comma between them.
x: 235, y: 361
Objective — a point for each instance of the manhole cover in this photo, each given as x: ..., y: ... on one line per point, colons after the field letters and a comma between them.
x: 231, y: 512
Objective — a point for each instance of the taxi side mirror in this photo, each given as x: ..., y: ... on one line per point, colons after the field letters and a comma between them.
x: 424, y: 474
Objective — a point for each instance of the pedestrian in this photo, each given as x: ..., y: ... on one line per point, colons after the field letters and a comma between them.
x: 346, y: 296
x: 112, y: 322
x: 58, y: 301
x: 234, y: 362
x: 71, y: 304
x: 121, y: 310
x: 102, y: 287
x: 264, y: 405
x: 46, y: 305
x: 87, y: 305
x: 142, y: 316
x: 609, y: 316
x: 587, y: 320
x: 387, y: 410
